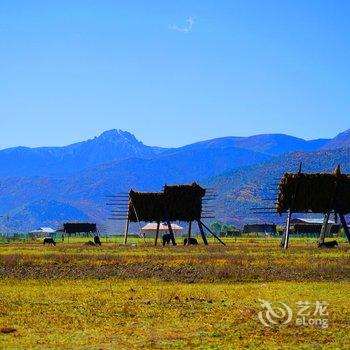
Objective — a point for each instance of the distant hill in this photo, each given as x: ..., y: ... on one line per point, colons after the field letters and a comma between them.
x: 47, y: 213
x: 40, y: 186
x: 340, y: 141
x: 269, y: 144
x: 113, y: 145
x: 86, y: 190
x: 118, y: 145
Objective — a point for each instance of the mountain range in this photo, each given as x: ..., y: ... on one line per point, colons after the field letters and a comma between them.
x: 49, y: 185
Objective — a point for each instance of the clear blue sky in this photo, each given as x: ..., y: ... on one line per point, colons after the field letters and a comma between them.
x: 172, y: 72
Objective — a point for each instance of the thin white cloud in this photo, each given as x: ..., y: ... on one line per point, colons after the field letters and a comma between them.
x: 185, y: 29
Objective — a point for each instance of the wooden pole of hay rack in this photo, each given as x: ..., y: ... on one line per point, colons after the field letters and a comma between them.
x: 189, y: 232
x: 201, y: 230
x: 345, y: 226
x: 126, y: 231
x: 171, y: 232
x: 285, y: 239
x: 214, y: 235
x: 324, y: 227
x: 157, y: 233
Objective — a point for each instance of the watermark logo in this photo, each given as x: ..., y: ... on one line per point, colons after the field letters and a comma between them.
x: 307, y: 313
x: 312, y: 314
x: 274, y: 313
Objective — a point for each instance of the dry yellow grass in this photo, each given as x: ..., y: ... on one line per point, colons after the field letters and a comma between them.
x: 93, y: 304
x: 151, y: 314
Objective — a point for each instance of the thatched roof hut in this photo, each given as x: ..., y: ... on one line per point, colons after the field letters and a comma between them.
x: 314, y: 228
x: 151, y: 228
x: 260, y: 228
x: 318, y: 193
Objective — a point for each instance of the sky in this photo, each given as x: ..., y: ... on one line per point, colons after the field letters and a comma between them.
x: 172, y: 72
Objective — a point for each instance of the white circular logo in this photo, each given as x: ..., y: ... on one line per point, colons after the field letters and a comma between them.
x: 275, y: 313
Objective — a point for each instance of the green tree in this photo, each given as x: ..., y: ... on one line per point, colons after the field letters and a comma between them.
x: 215, y: 226
x: 224, y: 228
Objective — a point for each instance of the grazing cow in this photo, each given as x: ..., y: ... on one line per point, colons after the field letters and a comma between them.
x: 89, y: 243
x: 190, y: 241
x: 49, y: 240
x: 166, y: 238
x: 330, y: 244
x: 97, y: 240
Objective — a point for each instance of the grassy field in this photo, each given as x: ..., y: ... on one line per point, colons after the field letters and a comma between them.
x: 140, y: 296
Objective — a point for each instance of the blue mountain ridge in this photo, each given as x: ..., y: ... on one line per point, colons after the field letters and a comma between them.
x: 80, y: 175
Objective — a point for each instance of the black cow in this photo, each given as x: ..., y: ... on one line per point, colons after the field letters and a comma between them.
x: 49, y: 240
x: 190, y: 241
x: 330, y: 244
x: 97, y: 240
x: 167, y: 239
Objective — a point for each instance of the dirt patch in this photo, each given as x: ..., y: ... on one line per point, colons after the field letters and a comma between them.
x: 181, y: 273
x: 8, y: 330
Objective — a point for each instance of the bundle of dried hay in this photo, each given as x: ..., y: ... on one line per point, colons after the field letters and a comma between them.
x: 175, y: 203
x: 184, y: 202
x: 146, y: 206
x: 318, y: 192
